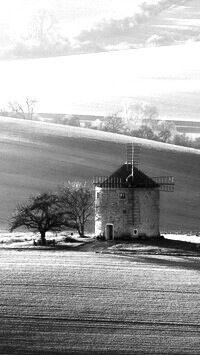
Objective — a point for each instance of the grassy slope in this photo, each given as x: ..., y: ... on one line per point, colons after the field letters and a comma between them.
x: 39, y: 156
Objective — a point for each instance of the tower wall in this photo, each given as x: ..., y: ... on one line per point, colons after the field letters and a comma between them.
x: 127, y: 209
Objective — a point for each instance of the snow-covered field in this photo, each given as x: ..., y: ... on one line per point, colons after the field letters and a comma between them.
x: 26, y: 239
x: 184, y: 237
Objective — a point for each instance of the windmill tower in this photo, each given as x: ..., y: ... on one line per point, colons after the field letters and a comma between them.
x: 127, y: 203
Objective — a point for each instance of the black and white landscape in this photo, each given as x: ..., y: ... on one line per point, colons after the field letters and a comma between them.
x: 84, y: 61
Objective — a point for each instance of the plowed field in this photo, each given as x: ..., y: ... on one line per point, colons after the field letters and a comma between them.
x: 73, y: 302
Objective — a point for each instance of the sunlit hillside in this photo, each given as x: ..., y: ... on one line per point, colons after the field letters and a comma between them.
x: 38, y: 156
x: 168, y: 77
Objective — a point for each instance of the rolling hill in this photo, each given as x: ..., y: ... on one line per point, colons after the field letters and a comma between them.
x: 97, y: 84
x: 40, y: 156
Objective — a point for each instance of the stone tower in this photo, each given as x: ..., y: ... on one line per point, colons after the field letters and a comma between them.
x: 127, y: 203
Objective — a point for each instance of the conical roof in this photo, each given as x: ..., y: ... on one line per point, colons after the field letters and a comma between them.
x: 123, y: 178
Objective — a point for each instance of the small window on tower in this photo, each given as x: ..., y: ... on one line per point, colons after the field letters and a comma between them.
x: 124, y: 211
x: 122, y: 195
x: 97, y: 194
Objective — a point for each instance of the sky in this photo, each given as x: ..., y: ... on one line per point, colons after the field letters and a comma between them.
x: 76, y: 14
x: 97, y: 83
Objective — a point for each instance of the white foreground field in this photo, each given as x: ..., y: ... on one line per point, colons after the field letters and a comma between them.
x: 59, y: 302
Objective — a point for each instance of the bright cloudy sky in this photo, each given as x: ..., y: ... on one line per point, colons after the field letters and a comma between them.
x: 96, y: 83
x: 77, y: 14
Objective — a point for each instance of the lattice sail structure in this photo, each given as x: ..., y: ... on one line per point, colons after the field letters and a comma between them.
x: 131, y: 176
x: 166, y: 183
x: 107, y: 182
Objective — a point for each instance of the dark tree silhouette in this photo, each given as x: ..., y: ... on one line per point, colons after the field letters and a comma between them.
x: 144, y: 132
x: 78, y: 201
x: 41, y: 213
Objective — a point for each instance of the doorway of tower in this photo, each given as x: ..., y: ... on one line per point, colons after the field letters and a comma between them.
x: 109, y: 231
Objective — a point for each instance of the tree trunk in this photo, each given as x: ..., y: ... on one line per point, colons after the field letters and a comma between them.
x: 43, y: 239
x: 78, y: 229
x: 82, y: 231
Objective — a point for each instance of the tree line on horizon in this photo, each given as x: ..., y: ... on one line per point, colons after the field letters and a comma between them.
x: 136, y: 119
x: 141, y: 119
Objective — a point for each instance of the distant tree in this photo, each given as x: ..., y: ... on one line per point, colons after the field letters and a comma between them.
x: 136, y: 114
x: 71, y: 120
x: 182, y: 139
x: 40, y: 213
x: 164, y: 136
x: 144, y: 132
x: 4, y: 112
x: 114, y: 123
x: 77, y: 200
x: 43, y: 30
x: 166, y: 130
x: 44, y: 38
x: 23, y: 110
x: 17, y: 109
x: 196, y: 143
x: 88, y: 125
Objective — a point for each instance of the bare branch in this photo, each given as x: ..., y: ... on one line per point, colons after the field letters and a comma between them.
x: 79, y: 200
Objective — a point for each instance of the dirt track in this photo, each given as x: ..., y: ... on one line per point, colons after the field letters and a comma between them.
x: 59, y: 302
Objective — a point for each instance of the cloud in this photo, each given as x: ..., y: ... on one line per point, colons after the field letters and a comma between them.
x: 102, y: 32
x: 45, y: 38
x: 157, y: 40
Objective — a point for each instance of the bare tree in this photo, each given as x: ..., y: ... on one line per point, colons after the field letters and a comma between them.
x: 144, y: 132
x: 114, y: 123
x: 166, y: 131
x: 26, y: 110
x: 41, y: 213
x: 136, y: 114
x: 30, y: 105
x: 43, y: 32
x: 17, y: 109
x: 77, y: 200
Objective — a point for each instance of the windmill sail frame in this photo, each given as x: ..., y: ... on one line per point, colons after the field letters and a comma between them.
x: 164, y: 183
